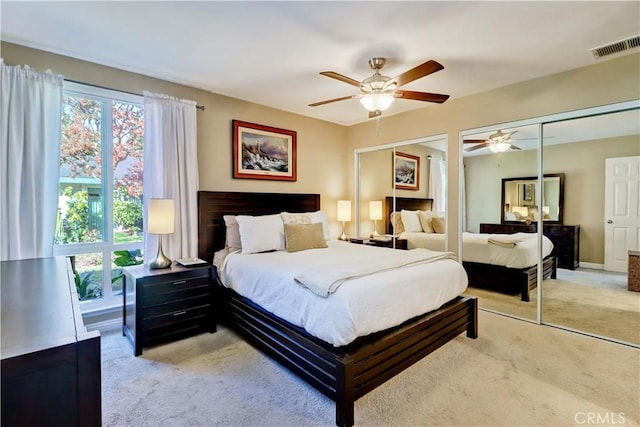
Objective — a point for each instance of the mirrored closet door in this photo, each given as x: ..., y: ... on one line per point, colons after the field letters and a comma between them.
x: 407, y: 176
x: 599, y: 156
x: 499, y: 218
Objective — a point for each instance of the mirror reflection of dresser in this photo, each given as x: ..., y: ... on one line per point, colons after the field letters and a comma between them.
x: 519, y: 206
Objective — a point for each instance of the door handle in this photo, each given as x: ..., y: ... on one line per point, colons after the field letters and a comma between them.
x: 610, y: 222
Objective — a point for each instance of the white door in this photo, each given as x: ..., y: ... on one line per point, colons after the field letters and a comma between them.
x: 621, y: 211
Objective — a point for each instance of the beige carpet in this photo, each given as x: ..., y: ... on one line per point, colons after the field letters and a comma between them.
x: 515, y: 374
x: 584, y: 300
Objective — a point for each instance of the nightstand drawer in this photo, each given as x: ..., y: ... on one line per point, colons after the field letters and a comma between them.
x: 164, y: 287
x: 175, y: 330
x: 176, y: 293
x: 174, y: 306
x: 193, y: 314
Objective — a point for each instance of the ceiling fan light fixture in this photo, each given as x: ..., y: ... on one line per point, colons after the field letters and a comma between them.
x: 499, y: 147
x: 376, y: 101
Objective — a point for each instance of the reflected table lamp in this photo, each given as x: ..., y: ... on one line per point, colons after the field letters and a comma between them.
x: 375, y: 213
x: 160, y: 221
x: 344, y: 214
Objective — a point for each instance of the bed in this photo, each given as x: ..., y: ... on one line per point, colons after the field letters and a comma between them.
x: 492, y: 266
x: 343, y: 373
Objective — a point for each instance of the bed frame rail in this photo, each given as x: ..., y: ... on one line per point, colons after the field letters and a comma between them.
x: 343, y: 375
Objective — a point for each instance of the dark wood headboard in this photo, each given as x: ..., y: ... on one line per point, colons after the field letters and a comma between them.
x: 213, y: 205
x: 407, y: 203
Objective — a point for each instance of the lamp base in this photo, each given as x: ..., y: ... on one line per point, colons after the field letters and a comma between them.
x: 343, y: 236
x: 160, y: 261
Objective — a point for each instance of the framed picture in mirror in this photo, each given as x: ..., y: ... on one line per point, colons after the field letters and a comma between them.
x: 406, y: 171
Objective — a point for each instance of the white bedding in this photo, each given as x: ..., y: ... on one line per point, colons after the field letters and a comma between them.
x: 359, y: 306
x: 476, y: 247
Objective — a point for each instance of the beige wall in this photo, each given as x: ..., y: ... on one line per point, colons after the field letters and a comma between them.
x: 607, y: 82
x: 325, y: 150
x: 322, y: 157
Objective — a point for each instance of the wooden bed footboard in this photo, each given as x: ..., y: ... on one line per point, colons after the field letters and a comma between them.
x: 347, y: 373
x: 509, y: 280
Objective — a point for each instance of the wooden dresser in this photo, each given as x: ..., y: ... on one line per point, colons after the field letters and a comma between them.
x: 51, y: 373
x: 565, y: 239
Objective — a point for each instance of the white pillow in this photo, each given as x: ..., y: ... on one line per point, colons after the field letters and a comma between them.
x: 425, y: 221
x: 410, y: 220
x: 308, y: 218
x: 261, y: 233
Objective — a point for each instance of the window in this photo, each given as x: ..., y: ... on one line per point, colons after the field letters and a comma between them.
x: 100, y: 212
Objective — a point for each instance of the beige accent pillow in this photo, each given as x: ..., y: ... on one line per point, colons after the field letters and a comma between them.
x: 396, y: 223
x: 438, y: 224
x: 233, y: 233
x: 425, y: 218
x: 300, y: 237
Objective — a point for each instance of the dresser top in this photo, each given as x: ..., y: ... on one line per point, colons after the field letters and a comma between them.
x: 37, y: 307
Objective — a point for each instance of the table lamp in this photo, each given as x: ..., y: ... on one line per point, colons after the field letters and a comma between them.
x: 375, y: 213
x: 160, y: 220
x: 344, y: 214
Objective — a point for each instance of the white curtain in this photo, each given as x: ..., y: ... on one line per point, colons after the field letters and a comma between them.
x: 171, y: 170
x: 437, y: 191
x: 30, y: 119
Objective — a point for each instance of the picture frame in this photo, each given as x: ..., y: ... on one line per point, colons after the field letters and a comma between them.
x: 406, y: 171
x: 264, y: 152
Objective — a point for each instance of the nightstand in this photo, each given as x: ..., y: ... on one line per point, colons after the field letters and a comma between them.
x: 400, y: 243
x: 166, y: 304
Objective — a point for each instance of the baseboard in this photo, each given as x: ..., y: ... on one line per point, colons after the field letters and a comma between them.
x: 591, y: 265
x: 105, y: 325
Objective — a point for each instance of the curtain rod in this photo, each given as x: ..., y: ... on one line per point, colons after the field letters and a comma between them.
x: 199, y: 107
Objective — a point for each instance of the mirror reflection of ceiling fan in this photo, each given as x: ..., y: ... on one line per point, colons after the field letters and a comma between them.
x: 378, y: 92
x: 498, y: 142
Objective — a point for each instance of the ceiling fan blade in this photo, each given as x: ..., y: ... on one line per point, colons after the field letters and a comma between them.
x: 477, y: 147
x: 421, y: 70
x: 513, y: 147
x: 474, y: 141
x: 421, y: 96
x: 342, y: 78
x: 373, y: 114
x: 328, y: 101
x: 511, y: 133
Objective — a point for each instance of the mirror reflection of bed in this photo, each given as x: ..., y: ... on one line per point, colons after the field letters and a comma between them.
x: 500, y: 262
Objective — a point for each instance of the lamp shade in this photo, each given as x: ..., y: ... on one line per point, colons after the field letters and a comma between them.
x: 344, y: 210
x: 161, y: 216
x: 375, y: 209
x: 376, y: 101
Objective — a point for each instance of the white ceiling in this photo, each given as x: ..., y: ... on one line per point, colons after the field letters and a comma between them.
x: 271, y: 52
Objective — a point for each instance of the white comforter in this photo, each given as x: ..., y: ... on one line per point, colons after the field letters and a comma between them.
x: 359, y: 307
x: 476, y: 247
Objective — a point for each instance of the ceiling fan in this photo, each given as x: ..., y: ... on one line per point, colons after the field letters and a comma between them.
x: 498, y: 142
x: 379, y: 91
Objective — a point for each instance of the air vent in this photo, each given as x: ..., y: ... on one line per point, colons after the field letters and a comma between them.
x: 617, y: 47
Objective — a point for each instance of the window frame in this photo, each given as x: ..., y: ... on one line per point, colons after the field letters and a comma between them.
x: 107, y: 246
